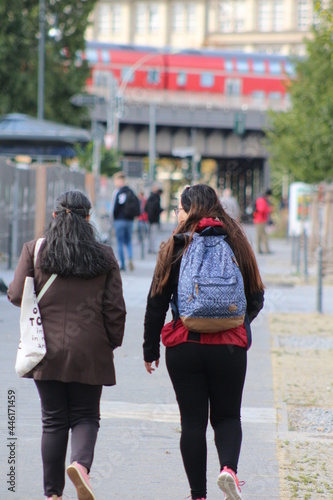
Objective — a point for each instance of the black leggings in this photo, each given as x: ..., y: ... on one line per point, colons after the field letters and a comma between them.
x: 67, y: 406
x: 208, y: 377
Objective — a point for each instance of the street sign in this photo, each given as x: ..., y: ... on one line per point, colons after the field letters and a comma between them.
x: 86, y: 100
x: 108, y: 140
x: 183, y: 152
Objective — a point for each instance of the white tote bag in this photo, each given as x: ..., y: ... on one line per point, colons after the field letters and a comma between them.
x: 32, y: 348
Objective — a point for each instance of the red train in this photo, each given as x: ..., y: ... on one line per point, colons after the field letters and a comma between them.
x: 254, y: 76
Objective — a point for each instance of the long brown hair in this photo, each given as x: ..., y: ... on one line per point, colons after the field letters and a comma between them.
x: 201, y: 201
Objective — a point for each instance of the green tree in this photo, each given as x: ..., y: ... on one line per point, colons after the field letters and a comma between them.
x: 65, y: 72
x: 300, y: 141
x: 110, y: 159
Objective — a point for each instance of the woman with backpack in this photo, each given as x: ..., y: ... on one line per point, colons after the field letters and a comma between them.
x: 207, y: 366
x: 83, y: 314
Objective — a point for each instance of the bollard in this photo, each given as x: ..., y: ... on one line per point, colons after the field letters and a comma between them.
x: 320, y: 281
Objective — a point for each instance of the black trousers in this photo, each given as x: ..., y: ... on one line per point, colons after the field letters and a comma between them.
x: 208, y: 379
x: 67, y: 406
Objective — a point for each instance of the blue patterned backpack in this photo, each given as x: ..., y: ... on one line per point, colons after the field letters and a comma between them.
x: 211, y: 295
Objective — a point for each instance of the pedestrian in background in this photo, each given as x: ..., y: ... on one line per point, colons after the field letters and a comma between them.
x: 125, y: 207
x: 153, y: 209
x: 261, y: 217
x: 143, y: 218
x: 207, y: 370
x: 230, y: 204
x: 83, y: 316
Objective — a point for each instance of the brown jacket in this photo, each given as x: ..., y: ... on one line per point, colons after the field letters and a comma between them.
x: 83, y: 322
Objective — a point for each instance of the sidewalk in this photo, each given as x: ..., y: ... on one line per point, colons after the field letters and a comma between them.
x: 137, y: 453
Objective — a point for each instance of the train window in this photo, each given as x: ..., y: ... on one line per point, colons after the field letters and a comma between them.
x: 242, y: 66
x: 127, y: 74
x: 153, y: 76
x: 206, y: 80
x: 259, y: 66
x: 228, y: 65
x: 290, y: 68
x: 275, y: 95
x: 259, y: 95
x: 105, y: 56
x: 181, y: 79
x: 233, y: 86
x: 91, y: 55
x: 275, y: 67
x: 101, y: 78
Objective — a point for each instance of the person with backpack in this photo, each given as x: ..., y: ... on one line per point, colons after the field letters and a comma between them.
x: 208, y: 272
x: 153, y: 209
x: 125, y: 207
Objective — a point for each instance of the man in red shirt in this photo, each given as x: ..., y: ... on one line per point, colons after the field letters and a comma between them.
x: 260, y: 218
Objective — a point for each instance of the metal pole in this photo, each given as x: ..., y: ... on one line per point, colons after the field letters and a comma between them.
x: 96, y: 167
x: 298, y: 253
x: 320, y: 281
x: 152, y: 141
x: 305, y: 239
x: 293, y: 246
x: 15, y: 214
x: 41, y: 60
x: 10, y: 247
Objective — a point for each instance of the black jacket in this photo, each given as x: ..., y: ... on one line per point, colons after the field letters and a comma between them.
x: 153, y: 208
x: 157, y: 306
x: 119, y: 204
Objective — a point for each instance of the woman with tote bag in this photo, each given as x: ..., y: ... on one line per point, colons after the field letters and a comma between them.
x: 83, y: 315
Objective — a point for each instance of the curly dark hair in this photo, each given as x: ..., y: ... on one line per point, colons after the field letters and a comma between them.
x: 71, y: 246
x: 201, y: 201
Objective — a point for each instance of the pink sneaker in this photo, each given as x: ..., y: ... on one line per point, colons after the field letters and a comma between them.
x: 229, y: 484
x: 79, y: 477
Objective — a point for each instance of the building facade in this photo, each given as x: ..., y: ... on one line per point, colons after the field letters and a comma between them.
x: 268, y: 26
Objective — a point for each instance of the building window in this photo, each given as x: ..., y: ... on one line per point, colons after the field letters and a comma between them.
x: 181, y: 79
x: 206, y: 80
x: 191, y: 17
x: 303, y: 15
x: 127, y: 74
x: 264, y: 15
x: 228, y: 65
x: 242, y: 66
x: 259, y: 67
x: 274, y: 67
x: 277, y: 15
x: 103, y: 19
x: 233, y: 87
x: 225, y: 16
x: 140, y: 18
x: 116, y: 19
x: 153, y: 18
x: 177, y: 17
x: 153, y: 77
x: 239, y: 13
